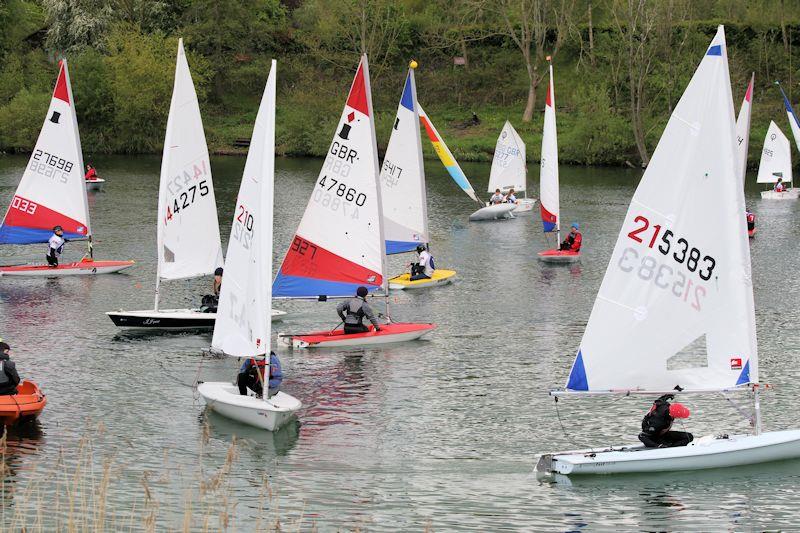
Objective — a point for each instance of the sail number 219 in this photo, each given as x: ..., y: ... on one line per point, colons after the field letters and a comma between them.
x: 682, y: 253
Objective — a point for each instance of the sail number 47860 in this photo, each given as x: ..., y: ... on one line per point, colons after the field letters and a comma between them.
x: 682, y: 253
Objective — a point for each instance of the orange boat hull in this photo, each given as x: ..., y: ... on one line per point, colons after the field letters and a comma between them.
x: 26, y: 405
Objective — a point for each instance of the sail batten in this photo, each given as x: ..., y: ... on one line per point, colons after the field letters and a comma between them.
x: 52, y: 191
x: 339, y: 244
x: 188, y: 231
x: 671, y: 278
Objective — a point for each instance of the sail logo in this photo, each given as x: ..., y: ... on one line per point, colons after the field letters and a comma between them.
x: 736, y: 363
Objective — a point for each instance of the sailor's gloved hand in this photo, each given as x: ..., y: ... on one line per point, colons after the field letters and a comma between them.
x: 667, y: 397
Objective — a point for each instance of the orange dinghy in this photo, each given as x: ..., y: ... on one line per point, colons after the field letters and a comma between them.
x: 26, y: 405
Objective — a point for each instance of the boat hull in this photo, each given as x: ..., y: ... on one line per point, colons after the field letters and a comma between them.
x: 95, y: 185
x: 524, y: 205
x: 751, y: 233
x: 494, y: 212
x: 440, y: 277
x: 704, y: 453
x: 27, y: 404
x: 224, y: 399
x: 79, y: 268
x: 788, y: 194
x: 559, y: 256
x: 389, y: 333
x: 171, y: 319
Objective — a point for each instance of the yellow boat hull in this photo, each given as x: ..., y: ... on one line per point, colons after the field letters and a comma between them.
x: 440, y: 277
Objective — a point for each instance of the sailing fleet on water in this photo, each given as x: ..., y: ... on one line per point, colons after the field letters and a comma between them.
x: 675, y: 313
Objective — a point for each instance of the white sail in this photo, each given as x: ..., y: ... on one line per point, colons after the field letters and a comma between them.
x: 743, y: 128
x: 405, y: 212
x: 508, y: 164
x: 188, y: 231
x: 548, y: 176
x: 242, y: 328
x: 776, y: 157
x: 676, y: 305
x: 52, y: 189
x: 339, y: 244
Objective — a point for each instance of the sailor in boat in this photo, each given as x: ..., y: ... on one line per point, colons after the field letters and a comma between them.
x: 251, y: 376
x: 574, y: 239
x: 55, y: 245
x: 210, y: 302
x: 779, y: 185
x: 353, y: 311
x: 423, y: 268
x: 510, y: 198
x: 9, y: 379
x: 751, y: 220
x: 91, y: 173
x: 497, y: 198
x: 657, y: 424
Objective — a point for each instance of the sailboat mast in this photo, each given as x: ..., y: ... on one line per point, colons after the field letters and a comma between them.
x: 757, y: 409
x: 413, y: 66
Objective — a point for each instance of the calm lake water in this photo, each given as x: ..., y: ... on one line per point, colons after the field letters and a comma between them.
x: 440, y: 433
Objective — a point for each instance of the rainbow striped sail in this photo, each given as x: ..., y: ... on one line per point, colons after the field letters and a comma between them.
x: 339, y: 244
x: 446, y: 156
x: 52, y: 190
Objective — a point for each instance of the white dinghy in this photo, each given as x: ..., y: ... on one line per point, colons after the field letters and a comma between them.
x: 549, y: 207
x: 52, y: 193
x: 188, y: 232
x: 776, y: 162
x: 339, y: 244
x: 243, y: 327
x: 672, y: 288
x: 490, y: 212
x: 509, y: 168
x: 405, y: 204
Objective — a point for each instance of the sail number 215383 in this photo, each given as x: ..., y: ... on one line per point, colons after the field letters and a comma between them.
x: 682, y: 253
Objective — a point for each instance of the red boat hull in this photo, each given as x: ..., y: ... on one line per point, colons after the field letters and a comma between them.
x: 389, y: 333
x: 559, y: 256
x: 26, y: 405
x: 80, y: 268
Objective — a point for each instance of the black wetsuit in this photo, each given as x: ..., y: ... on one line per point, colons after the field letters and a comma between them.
x: 9, y: 379
x: 656, y: 427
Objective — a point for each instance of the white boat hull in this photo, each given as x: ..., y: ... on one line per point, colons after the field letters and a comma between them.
x: 271, y: 414
x: 171, y: 319
x: 95, y: 185
x: 788, y: 194
x: 494, y: 212
x: 704, y: 453
x: 524, y: 205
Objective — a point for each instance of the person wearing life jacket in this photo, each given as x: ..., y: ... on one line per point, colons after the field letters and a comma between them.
x: 510, y: 198
x: 9, y: 379
x: 424, y: 267
x: 210, y: 302
x: 91, y: 173
x: 657, y: 424
x: 251, y: 376
x: 751, y: 219
x: 779, y: 186
x: 55, y: 245
x: 353, y: 311
x: 574, y: 239
x: 497, y: 197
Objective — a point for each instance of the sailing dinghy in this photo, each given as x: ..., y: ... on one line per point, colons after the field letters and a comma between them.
x: 794, y: 125
x: 52, y: 193
x: 339, y: 244
x: 674, y: 288
x: 548, y: 182
x: 243, y: 327
x: 509, y: 169
x: 405, y: 206
x: 776, y: 162
x: 188, y: 232
x: 490, y: 212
